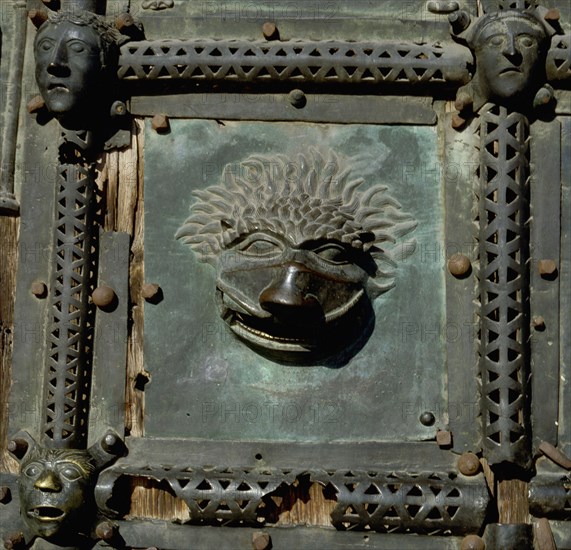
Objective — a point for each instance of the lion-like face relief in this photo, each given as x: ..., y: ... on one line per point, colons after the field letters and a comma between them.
x: 55, y: 491
x: 289, y: 296
x: 300, y: 251
x: 508, y: 50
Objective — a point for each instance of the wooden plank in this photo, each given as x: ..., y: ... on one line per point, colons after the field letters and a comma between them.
x: 8, y: 261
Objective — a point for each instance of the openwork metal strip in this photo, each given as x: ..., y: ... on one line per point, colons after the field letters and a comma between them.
x: 71, y: 325
x: 213, y: 494
x: 504, y: 283
x: 319, y: 62
x: 558, y: 62
x: 424, y: 502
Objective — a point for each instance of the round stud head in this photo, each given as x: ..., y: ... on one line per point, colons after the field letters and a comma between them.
x: 469, y: 464
x: 103, y: 296
x: 39, y: 289
x: 297, y: 98
x: 472, y: 542
x: 427, y: 418
x: 459, y: 265
x: 270, y: 31
x: 261, y: 541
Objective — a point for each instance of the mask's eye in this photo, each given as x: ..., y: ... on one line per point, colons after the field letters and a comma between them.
x: 333, y: 253
x: 46, y: 45
x: 33, y: 470
x: 496, y: 40
x: 526, y: 41
x: 260, y: 246
x: 70, y: 472
x: 77, y: 46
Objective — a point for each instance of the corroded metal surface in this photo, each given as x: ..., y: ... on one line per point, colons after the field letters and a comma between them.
x: 299, y: 255
x: 376, y: 498
x: 70, y: 334
x: 331, y: 62
x: 504, y: 283
x: 288, y: 255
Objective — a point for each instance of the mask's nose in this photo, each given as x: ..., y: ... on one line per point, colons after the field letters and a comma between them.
x: 59, y: 63
x: 48, y: 482
x: 289, y: 300
x: 511, y: 50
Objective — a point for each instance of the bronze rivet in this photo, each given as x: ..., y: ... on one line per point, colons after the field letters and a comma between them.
x: 270, y: 31
x: 459, y: 265
x: 161, y: 124
x: 14, y: 541
x: 552, y: 15
x: 297, y: 98
x: 150, y: 290
x: 36, y: 104
x: 472, y: 542
x: 443, y: 438
x: 108, y: 442
x: 469, y: 464
x: 39, y: 289
x: 261, y: 541
x: 18, y: 447
x: 123, y: 21
x: 105, y: 530
x: 464, y: 102
x: 427, y: 418
x: 103, y: 296
x: 547, y: 267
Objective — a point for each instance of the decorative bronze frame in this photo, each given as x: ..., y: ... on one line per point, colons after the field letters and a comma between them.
x: 408, y: 488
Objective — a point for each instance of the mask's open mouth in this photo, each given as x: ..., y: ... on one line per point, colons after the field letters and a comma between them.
x: 269, y: 333
x: 46, y: 513
x: 511, y: 70
x: 57, y: 86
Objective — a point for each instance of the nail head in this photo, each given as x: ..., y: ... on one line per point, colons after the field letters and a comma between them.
x: 443, y: 438
x: 39, y: 289
x: 469, y: 464
x: 261, y: 541
x: 547, y: 267
x: 150, y: 290
x: 459, y: 265
x: 270, y: 31
x: 161, y: 124
x: 297, y: 98
x: 427, y: 418
x: 472, y: 542
x: 103, y: 296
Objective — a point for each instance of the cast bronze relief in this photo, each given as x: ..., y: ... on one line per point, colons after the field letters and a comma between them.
x: 56, y: 492
x: 510, y: 48
x: 300, y: 250
x: 75, y: 56
x: 305, y: 257
x: 56, y: 486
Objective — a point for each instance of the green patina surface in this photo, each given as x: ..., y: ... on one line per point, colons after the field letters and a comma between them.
x: 206, y: 383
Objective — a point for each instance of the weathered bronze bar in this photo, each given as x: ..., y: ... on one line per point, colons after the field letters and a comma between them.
x: 333, y: 62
